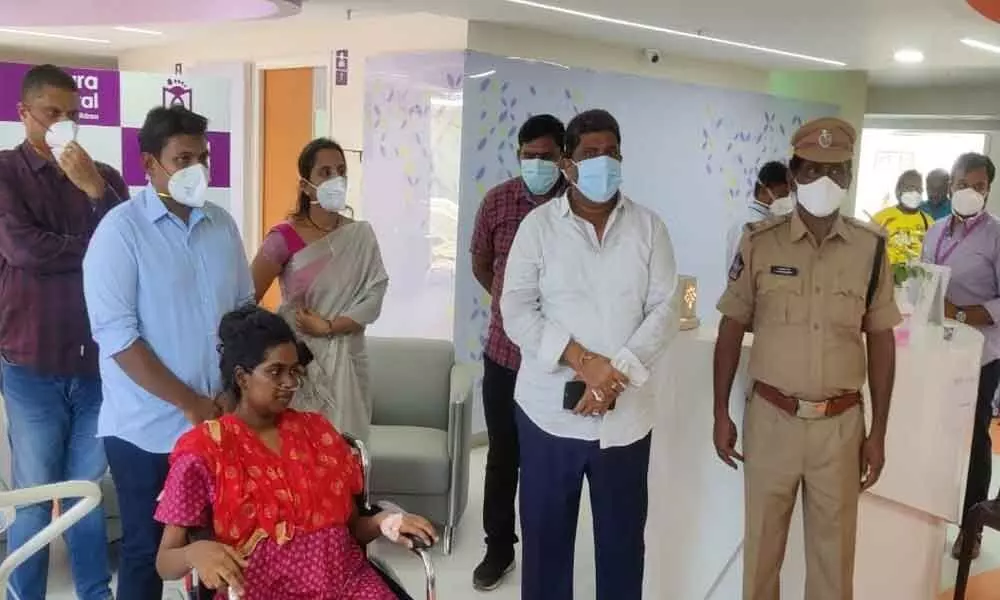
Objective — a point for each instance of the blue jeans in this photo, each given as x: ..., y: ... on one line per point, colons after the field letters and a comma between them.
x: 52, y: 431
x: 139, y: 477
x: 552, y: 472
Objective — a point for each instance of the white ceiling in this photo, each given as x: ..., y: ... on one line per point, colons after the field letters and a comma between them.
x: 862, y: 33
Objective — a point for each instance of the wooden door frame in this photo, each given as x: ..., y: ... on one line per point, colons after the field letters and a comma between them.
x: 256, y: 137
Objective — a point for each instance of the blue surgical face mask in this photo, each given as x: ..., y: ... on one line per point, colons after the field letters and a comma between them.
x: 539, y: 175
x: 599, y: 178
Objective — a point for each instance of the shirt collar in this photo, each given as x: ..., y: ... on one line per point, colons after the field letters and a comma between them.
x: 564, y: 210
x: 155, y: 209
x: 36, y: 162
x: 799, y: 229
x: 560, y: 188
x: 759, y: 207
x: 966, y: 225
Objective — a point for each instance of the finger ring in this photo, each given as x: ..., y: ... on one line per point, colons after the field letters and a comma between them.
x: 599, y: 397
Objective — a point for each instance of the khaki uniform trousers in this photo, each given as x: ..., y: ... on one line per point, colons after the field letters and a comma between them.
x: 824, y: 456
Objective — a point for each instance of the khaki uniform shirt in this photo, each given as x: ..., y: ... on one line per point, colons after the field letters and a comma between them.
x: 805, y: 301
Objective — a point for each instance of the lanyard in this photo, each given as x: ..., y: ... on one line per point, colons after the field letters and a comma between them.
x: 941, y: 257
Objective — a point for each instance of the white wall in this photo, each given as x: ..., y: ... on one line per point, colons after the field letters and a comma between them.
x: 981, y: 100
x: 307, y: 39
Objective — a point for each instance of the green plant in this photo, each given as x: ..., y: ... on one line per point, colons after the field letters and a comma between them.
x: 902, y: 272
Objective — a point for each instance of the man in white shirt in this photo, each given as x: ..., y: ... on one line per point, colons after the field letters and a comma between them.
x: 588, y: 297
x: 771, y: 198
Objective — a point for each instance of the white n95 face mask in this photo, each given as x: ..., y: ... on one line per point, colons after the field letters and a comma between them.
x: 820, y: 198
x: 59, y: 135
x: 189, y: 185
x: 911, y: 200
x: 331, y: 195
x: 967, y: 203
x: 782, y: 206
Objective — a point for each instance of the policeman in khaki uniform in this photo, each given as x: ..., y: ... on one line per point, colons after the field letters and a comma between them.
x: 811, y: 286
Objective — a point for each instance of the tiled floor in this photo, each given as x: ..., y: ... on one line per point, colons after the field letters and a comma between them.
x: 454, y: 573
x: 985, y: 581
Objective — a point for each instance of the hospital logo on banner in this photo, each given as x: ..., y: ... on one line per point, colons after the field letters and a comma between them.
x: 100, y: 94
x: 177, y: 93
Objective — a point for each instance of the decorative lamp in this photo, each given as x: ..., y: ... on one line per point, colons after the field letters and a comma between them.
x: 689, y: 302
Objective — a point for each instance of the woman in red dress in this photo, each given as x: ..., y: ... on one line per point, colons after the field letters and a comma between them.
x: 276, y: 486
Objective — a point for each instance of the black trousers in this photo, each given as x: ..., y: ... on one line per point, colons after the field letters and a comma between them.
x: 502, y: 459
x: 977, y: 487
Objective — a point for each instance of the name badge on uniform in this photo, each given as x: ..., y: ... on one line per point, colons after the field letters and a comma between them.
x: 736, y: 269
x: 784, y: 271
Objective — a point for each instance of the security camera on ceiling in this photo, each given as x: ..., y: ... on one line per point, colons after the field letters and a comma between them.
x: 652, y: 55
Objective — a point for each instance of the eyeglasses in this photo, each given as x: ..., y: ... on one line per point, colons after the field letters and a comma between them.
x: 289, y: 378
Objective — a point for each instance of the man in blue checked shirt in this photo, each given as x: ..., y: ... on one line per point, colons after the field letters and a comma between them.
x: 160, y: 272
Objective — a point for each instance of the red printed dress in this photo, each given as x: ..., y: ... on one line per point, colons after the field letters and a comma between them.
x: 288, y: 514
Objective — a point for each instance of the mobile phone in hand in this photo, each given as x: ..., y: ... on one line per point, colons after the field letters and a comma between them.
x: 573, y: 393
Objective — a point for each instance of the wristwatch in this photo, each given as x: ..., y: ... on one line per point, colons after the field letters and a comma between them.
x: 960, y: 316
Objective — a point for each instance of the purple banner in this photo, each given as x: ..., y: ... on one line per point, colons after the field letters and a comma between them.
x: 100, y: 94
x: 219, y: 153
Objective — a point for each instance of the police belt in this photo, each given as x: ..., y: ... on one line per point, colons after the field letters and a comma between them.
x: 831, y: 407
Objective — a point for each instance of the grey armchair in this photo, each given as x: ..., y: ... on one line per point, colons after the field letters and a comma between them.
x: 421, y: 429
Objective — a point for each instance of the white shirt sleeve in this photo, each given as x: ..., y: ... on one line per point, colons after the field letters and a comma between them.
x: 521, y: 303
x: 661, y: 322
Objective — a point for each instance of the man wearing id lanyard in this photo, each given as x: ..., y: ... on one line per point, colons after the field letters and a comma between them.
x: 969, y: 243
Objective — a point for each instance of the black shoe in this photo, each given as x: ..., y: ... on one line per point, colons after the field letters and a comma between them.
x: 490, y: 573
x: 956, y: 550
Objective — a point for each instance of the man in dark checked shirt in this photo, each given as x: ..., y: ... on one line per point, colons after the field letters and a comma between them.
x: 540, y: 148
x: 49, y: 206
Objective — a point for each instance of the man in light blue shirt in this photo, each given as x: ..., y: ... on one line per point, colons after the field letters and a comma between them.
x: 159, y: 274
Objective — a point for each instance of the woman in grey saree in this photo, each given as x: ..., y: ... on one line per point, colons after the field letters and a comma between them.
x: 332, y: 284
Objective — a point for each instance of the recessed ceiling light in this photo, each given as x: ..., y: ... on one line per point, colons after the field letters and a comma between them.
x: 138, y: 30
x: 684, y: 34
x: 54, y: 36
x: 981, y: 45
x: 909, y: 56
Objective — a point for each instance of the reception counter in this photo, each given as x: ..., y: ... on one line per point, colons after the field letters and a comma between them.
x: 695, y: 529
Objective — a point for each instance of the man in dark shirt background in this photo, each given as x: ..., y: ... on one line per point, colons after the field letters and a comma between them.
x: 540, y: 143
x: 50, y: 203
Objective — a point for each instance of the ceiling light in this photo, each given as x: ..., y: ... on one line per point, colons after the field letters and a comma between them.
x: 981, y: 45
x: 908, y: 56
x: 483, y: 74
x: 54, y: 36
x: 684, y: 34
x: 540, y: 61
x: 138, y: 30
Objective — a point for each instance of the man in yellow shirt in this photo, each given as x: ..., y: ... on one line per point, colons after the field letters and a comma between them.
x: 905, y: 224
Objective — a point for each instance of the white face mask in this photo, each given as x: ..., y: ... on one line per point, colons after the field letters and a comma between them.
x: 59, y: 135
x: 911, y: 200
x: 967, y: 203
x: 188, y: 186
x: 820, y: 198
x: 782, y: 206
x: 331, y: 195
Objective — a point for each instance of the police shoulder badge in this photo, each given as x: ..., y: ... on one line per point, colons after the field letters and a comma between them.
x: 736, y: 269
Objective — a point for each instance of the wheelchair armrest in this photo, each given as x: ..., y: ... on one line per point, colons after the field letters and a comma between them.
x: 417, y: 543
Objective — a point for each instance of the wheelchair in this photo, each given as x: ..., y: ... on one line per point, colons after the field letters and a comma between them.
x: 196, y: 591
